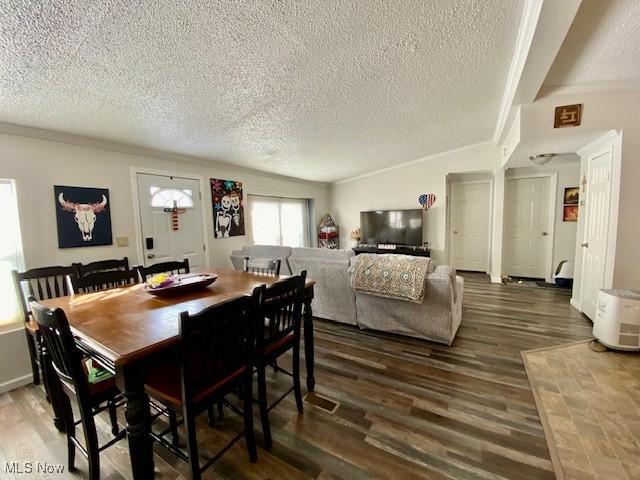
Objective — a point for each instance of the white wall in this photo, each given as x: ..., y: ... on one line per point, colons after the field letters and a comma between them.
x: 603, y: 111
x: 15, y: 366
x: 398, y: 188
x: 568, y: 175
x: 37, y: 165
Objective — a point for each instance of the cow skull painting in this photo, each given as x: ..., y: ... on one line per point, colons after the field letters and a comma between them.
x: 85, y: 214
x: 90, y: 223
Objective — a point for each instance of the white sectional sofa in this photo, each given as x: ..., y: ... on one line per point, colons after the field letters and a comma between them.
x: 437, y: 318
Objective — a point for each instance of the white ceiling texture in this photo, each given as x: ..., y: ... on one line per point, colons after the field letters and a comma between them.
x: 602, y: 46
x: 320, y: 90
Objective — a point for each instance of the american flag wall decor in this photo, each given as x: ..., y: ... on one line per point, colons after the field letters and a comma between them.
x: 427, y: 200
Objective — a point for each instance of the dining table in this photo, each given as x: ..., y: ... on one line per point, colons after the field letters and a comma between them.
x: 127, y: 329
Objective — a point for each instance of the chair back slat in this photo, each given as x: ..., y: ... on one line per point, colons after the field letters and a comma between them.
x: 100, y: 281
x: 216, y: 343
x: 28, y: 283
x: 164, y: 267
x: 281, y: 307
x: 58, y: 340
x: 82, y: 270
x: 262, y: 266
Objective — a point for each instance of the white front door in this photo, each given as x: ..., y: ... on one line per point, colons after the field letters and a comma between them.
x: 167, y: 236
x: 596, y: 230
x: 527, y: 226
x: 470, y: 217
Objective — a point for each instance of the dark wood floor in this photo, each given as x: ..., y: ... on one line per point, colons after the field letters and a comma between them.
x: 408, y: 409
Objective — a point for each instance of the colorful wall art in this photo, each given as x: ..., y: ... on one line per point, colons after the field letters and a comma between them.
x: 83, y: 216
x: 228, y: 208
x: 570, y: 208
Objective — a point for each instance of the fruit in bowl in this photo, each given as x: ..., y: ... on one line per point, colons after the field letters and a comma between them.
x: 161, y: 280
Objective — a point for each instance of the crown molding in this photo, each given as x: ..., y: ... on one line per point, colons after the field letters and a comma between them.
x: 128, y: 149
x: 527, y: 29
x: 413, y: 162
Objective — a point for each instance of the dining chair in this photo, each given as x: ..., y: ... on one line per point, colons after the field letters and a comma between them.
x: 82, y: 269
x: 97, y: 282
x: 70, y: 377
x: 277, y: 333
x: 43, y: 283
x: 262, y: 266
x: 216, y: 347
x: 164, y: 267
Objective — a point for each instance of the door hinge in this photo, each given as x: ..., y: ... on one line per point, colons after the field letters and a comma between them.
x: 204, y: 247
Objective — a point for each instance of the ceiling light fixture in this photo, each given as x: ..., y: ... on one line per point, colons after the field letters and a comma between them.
x: 542, y: 158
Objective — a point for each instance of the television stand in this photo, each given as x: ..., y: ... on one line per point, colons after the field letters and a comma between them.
x: 398, y: 250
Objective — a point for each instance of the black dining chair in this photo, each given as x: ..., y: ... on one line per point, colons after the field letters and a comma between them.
x: 216, y: 347
x: 43, y: 284
x: 69, y: 378
x: 83, y: 269
x: 97, y: 282
x: 164, y: 267
x: 278, y: 331
x: 262, y: 266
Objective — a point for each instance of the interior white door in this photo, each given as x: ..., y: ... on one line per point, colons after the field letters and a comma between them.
x: 596, y: 230
x: 527, y: 226
x: 163, y: 237
x: 470, y: 218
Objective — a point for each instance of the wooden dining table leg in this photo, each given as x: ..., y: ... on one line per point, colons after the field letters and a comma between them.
x: 308, y: 339
x: 130, y: 381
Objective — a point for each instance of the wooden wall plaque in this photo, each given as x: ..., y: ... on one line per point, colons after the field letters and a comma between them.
x: 568, y: 116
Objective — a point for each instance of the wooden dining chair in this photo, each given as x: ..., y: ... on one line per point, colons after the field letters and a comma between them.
x: 97, y: 282
x: 69, y: 378
x: 43, y: 284
x: 262, y: 266
x: 82, y: 269
x: 278, y: 331
x: 216, y: 347
x: 164, y: 267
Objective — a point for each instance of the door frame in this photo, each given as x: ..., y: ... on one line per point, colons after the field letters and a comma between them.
x: 490, y: 230
x: 610, y: 142
x: 137, y: 218
x: 553, y: 195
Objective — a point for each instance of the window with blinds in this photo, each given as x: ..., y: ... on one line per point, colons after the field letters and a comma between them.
x: 10, y: 253
x: 279, y: 221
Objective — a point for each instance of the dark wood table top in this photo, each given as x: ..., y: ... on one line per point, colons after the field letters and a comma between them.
x: 127, y: 323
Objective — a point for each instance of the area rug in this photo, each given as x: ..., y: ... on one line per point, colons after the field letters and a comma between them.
x: 589, y: 405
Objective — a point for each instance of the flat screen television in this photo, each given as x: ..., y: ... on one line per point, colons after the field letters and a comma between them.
x: 399, y: 227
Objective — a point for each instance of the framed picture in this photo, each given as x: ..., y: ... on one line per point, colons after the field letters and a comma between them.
x: 571, y: 195
x: 228, y: 208
x: 570, y: 213
x: 567, y: 116
x: 83, y: 216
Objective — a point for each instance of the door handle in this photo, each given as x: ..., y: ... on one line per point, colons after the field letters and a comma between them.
x: 585, y: 245
x: 545, y: 234
x: 151, y: 255
x: 455, y: 232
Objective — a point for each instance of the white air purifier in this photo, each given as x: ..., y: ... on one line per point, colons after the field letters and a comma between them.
x: 617, y: 323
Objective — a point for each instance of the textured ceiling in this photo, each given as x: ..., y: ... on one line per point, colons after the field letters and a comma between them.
x: 321, y: 90
x: 602, y: 46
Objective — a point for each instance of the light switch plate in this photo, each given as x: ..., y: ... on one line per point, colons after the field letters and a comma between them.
x: 122, y: 241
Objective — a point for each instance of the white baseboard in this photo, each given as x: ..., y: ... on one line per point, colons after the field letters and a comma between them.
x: 496, y: 279
x: 575, y: 304
x: 16, y: 383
